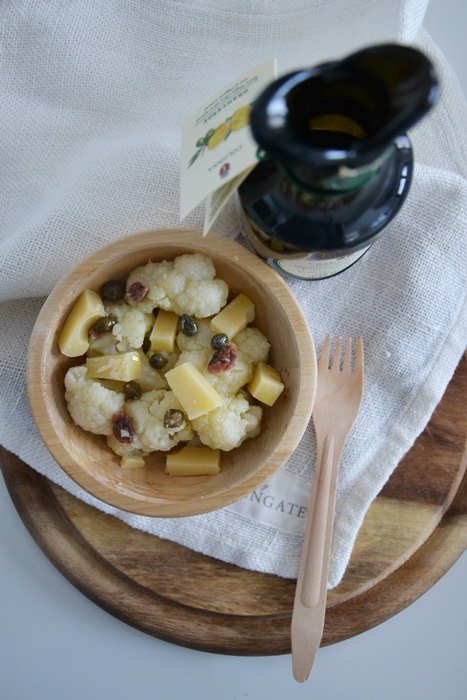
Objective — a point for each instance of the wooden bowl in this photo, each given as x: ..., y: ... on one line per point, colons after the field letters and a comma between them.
x: 88, y: 460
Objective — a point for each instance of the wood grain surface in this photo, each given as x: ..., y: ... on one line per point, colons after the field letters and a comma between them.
x: 413, y: 533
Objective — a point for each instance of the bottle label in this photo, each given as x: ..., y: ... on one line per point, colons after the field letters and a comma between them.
x: 307, y: 266
x: 308, y: 269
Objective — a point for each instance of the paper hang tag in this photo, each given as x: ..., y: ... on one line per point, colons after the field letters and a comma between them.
x: 218, y: 199
x: 218, y: 150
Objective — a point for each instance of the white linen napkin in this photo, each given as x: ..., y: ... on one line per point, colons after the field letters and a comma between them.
x: 93, y: 98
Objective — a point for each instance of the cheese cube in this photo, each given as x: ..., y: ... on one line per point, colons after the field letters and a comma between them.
x: 266, y: 385
x: 113, y: 385
x: 132, y: 462
x: 196, y: 395
x: 124, y: 367
x: 163, y: 332
x: 234, y: 317
x: 73, y: 340
x: 194, y: 461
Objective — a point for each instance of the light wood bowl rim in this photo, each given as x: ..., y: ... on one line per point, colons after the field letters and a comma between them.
x: 44, y: 336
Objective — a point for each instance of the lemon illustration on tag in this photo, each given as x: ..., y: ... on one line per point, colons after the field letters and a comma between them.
x: 219, y: 135
x: 241, y: 118
x: 214, y: 137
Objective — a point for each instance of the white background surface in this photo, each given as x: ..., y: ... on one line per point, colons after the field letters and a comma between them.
x: 57, y: 645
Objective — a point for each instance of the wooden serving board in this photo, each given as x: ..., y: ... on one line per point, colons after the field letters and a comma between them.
x: 413, y: 533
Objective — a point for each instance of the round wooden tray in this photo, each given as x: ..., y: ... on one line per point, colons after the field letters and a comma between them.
x: 413, y: 533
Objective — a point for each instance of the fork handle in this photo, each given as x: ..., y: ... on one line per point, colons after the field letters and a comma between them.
x: 317, y: 531
x: 311, y: 591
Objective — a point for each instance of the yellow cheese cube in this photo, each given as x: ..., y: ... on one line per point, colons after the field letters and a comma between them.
x: 73, y: 340
x: 163, y: 332
x: 124, y: 367
x: 132, y: 462
x: 266, y: 385
x: 196, y: 395
x: 113, y: 385
x: 194, y: 461
x: 234, y: 317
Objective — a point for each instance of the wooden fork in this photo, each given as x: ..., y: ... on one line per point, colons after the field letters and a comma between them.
x: 338, y: 398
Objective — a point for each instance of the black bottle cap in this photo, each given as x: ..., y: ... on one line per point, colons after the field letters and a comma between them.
x: 345, y: 111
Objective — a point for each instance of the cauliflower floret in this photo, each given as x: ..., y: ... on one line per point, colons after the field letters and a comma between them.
x: 229, y: 383
x: 131, y: 327
x: 103, y: 344
x: 120, y: 448
x: 199, y: 358
x: 152, y: 277
x: 171, y: 359
x: 197, y: 349
x: 226, y: 383
x: 229, y: 425
x: 253, y: 344
x: 186, y: 286
x: 90, y: 404
x: 150, y: 378
x: 200, y: 341
x: 148, y: 420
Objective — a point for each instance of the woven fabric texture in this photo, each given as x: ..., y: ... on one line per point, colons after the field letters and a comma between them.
x: 93, y: 98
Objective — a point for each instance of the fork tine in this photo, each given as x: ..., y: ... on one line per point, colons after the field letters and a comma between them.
x: 336, y: 360
x: 359, y: 356
x: 323, y: 361
x: 346, y: 367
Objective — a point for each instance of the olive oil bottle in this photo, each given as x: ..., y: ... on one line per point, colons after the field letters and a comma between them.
x: 335, y: 162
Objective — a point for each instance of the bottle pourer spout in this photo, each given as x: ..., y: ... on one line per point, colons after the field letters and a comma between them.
x: 345, y: 111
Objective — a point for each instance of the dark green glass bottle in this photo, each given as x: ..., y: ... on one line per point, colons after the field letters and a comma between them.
x: 335, y: 160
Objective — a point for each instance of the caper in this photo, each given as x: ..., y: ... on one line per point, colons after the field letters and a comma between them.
x: 105, y: 324
x: 157, y: 361
x: 132, y: 390
x: 173, y: 418
x: 113, y: 290
x: 188, y: 326
x: 219, y: 341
